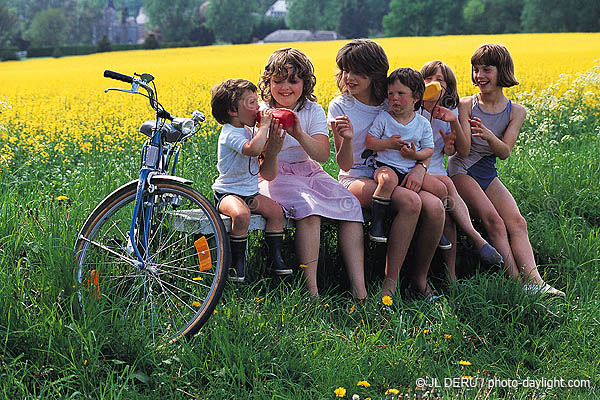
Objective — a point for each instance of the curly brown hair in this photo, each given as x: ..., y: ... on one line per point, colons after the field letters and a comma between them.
x: 226, y: 96
x: 288, y: 62
x: 498, y: 56
x: 367, y: 58
x: 450, y: 97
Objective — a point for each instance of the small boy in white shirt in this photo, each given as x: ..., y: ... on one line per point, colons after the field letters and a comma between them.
x: 244, y: 151
x: 402, y: 139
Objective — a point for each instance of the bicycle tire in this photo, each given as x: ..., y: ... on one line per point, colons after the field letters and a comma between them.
x: 177, y: 290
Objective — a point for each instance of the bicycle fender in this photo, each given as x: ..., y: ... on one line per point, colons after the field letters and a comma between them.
x: 172, y: 178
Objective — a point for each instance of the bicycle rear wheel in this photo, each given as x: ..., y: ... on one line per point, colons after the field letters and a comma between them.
x: 185, y: 254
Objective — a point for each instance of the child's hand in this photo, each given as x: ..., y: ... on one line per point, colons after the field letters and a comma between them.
x: 409, y: 151
x: 295, y: 130
x: 443, y: 114
x: 479, y: 130
x: 397, y: 143
x: 265, y: 117
x: 276, y: 137
x: 344, y: 127
x: 449, y: 139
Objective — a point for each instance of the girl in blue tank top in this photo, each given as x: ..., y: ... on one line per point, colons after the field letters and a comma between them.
x: 494, y: 122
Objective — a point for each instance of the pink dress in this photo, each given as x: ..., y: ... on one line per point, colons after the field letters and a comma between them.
x: 302, y: 187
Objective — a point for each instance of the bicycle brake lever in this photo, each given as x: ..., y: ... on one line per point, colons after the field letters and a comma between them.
x: 134, y: 88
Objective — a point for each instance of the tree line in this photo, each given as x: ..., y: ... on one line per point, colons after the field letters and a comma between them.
x: 51, y: 23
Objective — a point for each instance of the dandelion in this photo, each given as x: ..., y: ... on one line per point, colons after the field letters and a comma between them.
x: 387, y: 300
x: 340, y: 392
x: 352, y: 309
x: 215, y: 312
x: 392, y: 391
x: 195, y: 304
x: 469, y: 377
x: 62, y: 198
x: 426, y: 331
x: 447, y: 336
x: 463, y: 362
x: 363, y: 384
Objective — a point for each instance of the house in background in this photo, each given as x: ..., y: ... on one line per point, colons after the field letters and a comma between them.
x: 127, y: 29
x: 277, y: 10
x: 293, y: 35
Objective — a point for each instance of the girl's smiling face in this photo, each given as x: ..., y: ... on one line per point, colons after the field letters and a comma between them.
x: 286, y: 91
x: 400, y: 98
x: 358, y: 85
x: 485, y: 76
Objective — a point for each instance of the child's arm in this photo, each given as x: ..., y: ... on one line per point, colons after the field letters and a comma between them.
x: 268, y: 166
x: 410, y: 152
x: 456, y: 140
x: 395, y: 143
x: 463, y: 145
x: 255, y: 146
x: 343, y: 132
x: 501, y: 148
x: 316, y: 146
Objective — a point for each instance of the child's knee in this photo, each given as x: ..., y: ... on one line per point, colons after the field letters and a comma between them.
x: 386, y: 178
x: 241, y: 216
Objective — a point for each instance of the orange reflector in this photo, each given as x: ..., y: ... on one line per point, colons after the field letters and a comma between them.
x: 203, y: 251
x: 94, y: 281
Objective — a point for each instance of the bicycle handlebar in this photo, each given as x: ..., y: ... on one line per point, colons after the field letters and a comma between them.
x: 118, y: 76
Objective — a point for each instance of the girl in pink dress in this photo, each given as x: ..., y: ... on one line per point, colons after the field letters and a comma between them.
x: 302, y: 187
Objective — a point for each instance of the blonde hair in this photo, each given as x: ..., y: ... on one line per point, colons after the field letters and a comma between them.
x: 292, y: 62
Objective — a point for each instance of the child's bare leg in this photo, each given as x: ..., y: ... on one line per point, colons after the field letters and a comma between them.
x: 351, y: 245
x: 450, y: 254
x: 387, y: 181
x: 430, y: 232
x: 239, y: 212
x: 273, y: 213
x: 308, y: 239
x: 460, y: 213
x: 269, y: 209
x: 435, y: 187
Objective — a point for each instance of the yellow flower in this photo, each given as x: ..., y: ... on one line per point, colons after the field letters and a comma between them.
x: 463, y: 362
x: 392, y: 391
x: 352, y: 309
x: 340, y: 392
x: 84, y: 362
x: 447, y: 336
x: 215, y: 312
x: 303, y: 266
x: 363, y: 384
x: 426, y: 331
x: 62, y: 198
x: 195, y: 304
x: 469, y: 377
x: 387, y: 300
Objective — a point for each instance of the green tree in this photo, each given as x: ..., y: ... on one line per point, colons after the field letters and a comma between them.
x: 428, y: 17
x: 49, y: 28
x: 560, y: 16
x: 8, y: 23
x: 231, y: 20
x: 177, y: 20
x: 493, y: 16
x: 313, y: 15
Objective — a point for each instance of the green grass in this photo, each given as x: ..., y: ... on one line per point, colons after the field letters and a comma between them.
x: 268, y: 341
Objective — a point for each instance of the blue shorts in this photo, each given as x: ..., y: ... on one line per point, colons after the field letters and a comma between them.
x: 484, y: 171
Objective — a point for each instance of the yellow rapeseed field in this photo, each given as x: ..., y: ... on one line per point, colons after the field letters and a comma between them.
x: 53, y: 106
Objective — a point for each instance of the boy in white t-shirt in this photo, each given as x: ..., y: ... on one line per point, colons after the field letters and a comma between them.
x: 402, y: 139
x: 244, y: 151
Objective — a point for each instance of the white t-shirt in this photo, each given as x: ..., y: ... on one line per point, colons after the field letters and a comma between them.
x: 238, y: 173
x: 418, y: 131
x: 362, y: 117
x: 312, y: 121
x: 436, y: 164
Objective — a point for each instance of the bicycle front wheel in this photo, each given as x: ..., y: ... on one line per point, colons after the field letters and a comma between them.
x: 184, y: 248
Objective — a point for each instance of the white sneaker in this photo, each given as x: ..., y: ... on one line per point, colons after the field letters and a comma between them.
x: 537, y: 289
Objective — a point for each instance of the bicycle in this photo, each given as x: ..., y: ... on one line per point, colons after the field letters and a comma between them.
x: 135, y: 252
